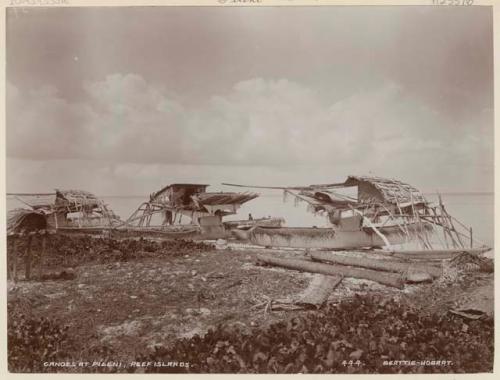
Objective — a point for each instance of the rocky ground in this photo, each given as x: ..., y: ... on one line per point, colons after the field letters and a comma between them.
x: 128, y: 302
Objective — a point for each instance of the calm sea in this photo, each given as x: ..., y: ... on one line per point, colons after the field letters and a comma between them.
x: 475, y: 210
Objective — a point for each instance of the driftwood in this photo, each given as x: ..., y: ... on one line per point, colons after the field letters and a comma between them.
x: 313, y: 297
x: 318, y: 290
x: 389, y: 279
x: 377, y: 264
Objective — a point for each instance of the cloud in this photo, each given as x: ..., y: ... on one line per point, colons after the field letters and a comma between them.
x: 40, y: 124
x: 257, y: 122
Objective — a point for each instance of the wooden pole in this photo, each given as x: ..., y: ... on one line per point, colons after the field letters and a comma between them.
x: 9, y: 270
x: 407, y: 232
x: 425, y: 239
x: 465, y: 227
x: 446, y: 230
x: 449, y: 222
x: 15, y: 261
x: 27, y: 259
x: 471, y: 240
x: 452, y: 226
x: 403, y: 230
x: 42, y: 253
x: 12, y: 262
x: 442, y: 228
x: 437, y: 234
x: 385, y: 278
x: 446, y: 223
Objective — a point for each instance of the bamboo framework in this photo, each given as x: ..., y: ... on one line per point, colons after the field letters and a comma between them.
x: 143, y: 216
x: 191, y: 201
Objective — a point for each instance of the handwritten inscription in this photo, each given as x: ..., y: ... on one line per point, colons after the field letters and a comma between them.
x: 453, y: 2
x: 240, y: 1
x: 116, y: 364
x: 17, y: 3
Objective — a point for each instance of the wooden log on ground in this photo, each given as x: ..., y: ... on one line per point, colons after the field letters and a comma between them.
x: 314, y: 296
x: 319, y: 290
x: 376, y: 264
x: 424, y: 261
x: 437, y: 254
x: 385, y: 278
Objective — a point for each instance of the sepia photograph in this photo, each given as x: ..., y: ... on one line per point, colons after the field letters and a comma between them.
x: 246, y: 187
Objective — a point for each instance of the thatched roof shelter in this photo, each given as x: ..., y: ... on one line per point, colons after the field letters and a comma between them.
x: 377, y: 189
x: 21, y: 220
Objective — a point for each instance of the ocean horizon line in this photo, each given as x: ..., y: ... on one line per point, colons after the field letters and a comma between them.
x: 11, y: 194
x: 280, y: 194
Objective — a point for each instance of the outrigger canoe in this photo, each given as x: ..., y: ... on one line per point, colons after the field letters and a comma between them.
x: 367, y: 212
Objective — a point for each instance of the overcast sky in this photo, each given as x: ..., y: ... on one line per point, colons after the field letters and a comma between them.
x: 124, y: 100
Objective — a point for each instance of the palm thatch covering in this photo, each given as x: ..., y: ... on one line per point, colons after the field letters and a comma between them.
x: 21, y: 220
x: 37, y: 201
x: 87, y: 209
x: 210, y: 199
x: 376, y: 189
x: 177, y: 192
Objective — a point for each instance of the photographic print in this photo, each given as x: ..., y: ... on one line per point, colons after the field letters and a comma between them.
x: 240, y: 187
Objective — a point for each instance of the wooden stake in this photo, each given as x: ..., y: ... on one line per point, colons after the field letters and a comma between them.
x: 452, y: 227
x: 11, y: 261
x: 471, y: 240
x: 15, y: 261
x: 42, y: 253
x: 423, y: 236
x: 445, y: 222
x: 27, y: 259
x: 442, y: 228
x: 9, y: 271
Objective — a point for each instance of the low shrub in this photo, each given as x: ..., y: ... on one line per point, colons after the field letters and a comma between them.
x: 356, y: 336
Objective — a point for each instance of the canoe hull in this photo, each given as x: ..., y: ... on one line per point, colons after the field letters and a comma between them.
x: 327, y: 238
x: 118, y: 233
x: 247, y: 224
